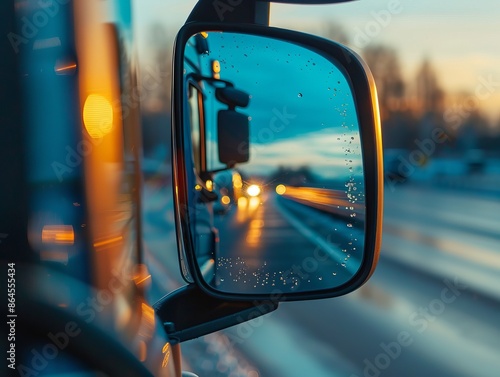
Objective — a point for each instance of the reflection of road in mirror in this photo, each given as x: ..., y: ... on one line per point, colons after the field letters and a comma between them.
x: 275, y: 243
x: 294, y: 124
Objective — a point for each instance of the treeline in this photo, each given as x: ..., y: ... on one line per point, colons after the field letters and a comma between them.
x: 412, y: 108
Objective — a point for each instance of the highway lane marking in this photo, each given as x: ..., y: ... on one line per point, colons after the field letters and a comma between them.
x: 478, y: 213
x: 478, y: 224
x: 472, y: 253
x: 317, y: 240
x: 421, y: 257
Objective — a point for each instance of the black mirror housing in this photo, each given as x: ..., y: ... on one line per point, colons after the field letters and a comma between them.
x: 234, y: 132
x: 232, y: 97
x: 189, y: 313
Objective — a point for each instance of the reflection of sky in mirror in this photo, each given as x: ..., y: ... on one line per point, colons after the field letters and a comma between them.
x: 301, y: 109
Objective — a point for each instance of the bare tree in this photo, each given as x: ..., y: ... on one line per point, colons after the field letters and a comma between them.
x: 334, y: 32
x: 156, y: 71
x: 430, y: 96
x: 384, y: 64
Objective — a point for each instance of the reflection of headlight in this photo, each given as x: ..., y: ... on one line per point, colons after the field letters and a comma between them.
x: 280, y: 189
x: 225, y: 199
x: 253, y: 190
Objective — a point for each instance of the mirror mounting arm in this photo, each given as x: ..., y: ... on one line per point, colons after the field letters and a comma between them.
x: 208, y: 174
x: 198, y: 77
x: 207, y: 196
x: 189, y: 313
x: 236, y: 11
x: 242, y: 11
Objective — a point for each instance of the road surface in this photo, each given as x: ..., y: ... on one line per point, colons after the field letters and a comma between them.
x: 271, y: 241
x: 431, y: 309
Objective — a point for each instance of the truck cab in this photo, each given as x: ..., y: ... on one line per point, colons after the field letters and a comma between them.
x: 70, y: 152
x: 202, y: 133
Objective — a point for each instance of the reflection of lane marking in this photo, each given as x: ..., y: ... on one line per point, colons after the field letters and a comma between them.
x: 316, y: 239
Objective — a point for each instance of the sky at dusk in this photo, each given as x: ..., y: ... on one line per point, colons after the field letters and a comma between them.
x: 286, y: 128
x: 461, y: 38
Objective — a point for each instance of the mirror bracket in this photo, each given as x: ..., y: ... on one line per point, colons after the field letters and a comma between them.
x: 208, y: 174
x: 198, y: 77
x: 242, y: 11
x: 223, y: 11
x: 207, y: 196
x: 189, y: 313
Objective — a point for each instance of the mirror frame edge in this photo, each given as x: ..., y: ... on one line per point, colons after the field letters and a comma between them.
x: 365, y: 96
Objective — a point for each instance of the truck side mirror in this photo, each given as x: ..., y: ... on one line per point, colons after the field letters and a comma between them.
x: 305, y: 218
x: 233, y: 137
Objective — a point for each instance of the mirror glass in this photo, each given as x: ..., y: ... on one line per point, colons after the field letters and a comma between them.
x: 290, y: 218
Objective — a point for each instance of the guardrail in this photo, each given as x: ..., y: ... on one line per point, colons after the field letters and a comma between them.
x: 334, y: 202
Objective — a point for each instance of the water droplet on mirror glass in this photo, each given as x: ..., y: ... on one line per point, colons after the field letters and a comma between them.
x: 299, y: 95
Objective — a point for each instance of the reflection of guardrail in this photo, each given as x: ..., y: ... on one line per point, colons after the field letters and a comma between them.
x: 330, y: 201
